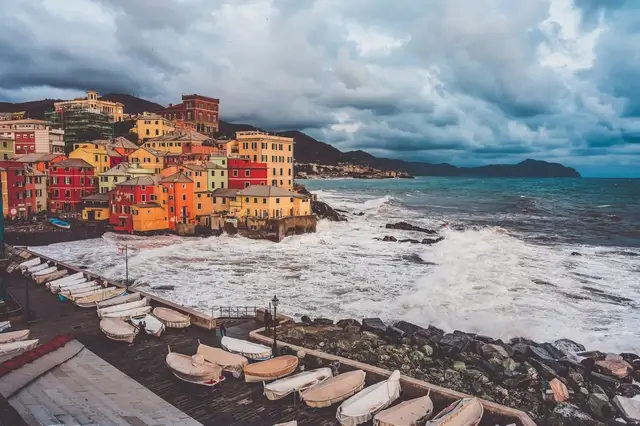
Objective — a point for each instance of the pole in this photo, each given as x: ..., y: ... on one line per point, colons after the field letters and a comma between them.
x: 27, y: 305
x: 275, y: 323
x: 126, y: 266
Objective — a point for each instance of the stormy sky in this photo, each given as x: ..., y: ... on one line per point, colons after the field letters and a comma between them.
x: 460, y: 81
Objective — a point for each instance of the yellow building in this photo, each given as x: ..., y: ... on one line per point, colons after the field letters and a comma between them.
x: 148, y: 158
x: 96, y: 207
x: 5, y: 192
x: 119, y: 174
x: 7, y: 150
x: 151, y: 125
x: 176, y: 143
x: 261, y: 201
x: 94, y: 154
x: 276, y: 151
x: 149, y: 217
x: 93, y: 103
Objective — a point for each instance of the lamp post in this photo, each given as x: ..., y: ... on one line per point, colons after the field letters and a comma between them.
x: 274, y: 302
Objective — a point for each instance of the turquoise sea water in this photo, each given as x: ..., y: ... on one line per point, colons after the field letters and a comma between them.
x: 603, y: 212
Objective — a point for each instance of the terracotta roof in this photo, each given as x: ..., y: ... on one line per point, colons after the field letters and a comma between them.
x: 211, y: 165
x: 267, y: 191
x: 192, y: 166
x: 225, y: 192
x: 73, y: 162
x: 139, y: 181
x: 148, y: 205
x: 121, y: 169
x: 177, y: 178
x: 35, y: 157
x: 35, y: 172
x: 103, y: 197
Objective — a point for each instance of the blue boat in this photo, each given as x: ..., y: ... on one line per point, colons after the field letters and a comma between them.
x: 59, y: 223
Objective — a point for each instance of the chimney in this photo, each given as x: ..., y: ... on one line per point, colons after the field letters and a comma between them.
x: 170, y: 105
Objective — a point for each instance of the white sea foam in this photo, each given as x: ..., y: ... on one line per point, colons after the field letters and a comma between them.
x: 478, y: 280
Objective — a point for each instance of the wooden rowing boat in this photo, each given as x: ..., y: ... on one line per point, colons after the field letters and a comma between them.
x: 91, y: 300
x: 171, y: 318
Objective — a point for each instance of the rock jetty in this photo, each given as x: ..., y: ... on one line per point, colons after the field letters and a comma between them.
x: 557, y: 383
x: 325, y: 211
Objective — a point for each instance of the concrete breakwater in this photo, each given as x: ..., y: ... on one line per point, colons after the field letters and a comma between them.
x: 198, y: 319
x: 556, y: 383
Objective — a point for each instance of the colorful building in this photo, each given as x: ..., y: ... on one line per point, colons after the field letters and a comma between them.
x: 183, y: 142
x: 148, y: 158
x: 119, y: 174
x: 33, y: 136
x: 276, y: 151
x: 70, y: 181
x: 35, y: 190
x: 94, y: 154
x: 41, y: 162
x: 96, y: 207
x: 150, y: 125
x: 125, y: 198
x: 271, y: 202
x: 217, y: 176
x: 93, y: 103
x: 179, y: 191
x: 7, y: 149
x: 244, y: 173
x: 200, y: 110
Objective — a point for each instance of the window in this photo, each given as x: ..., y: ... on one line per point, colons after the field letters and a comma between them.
x: 222, y: 173
x: 157, y: 131
x: 184, y: 197
x: 277, y: 200
x: 247, y: 173
x: 280, y: 172
x: 67, y: 181
x: 291, y: 199
x: 143, y: 197
x: 221, y: 184
x: 246, y: 184
x: 289, y: 147
x: 156, y: 121
x: 67, y: 194
x: 289, y: 172
x: 199, y: 206
x: 147, y: 132
x: 171, y: 209
x: 114, y: 208
x: 235, y: 173
x: 197, y: 184
x: 95, y: 158
x: 143, y: 187
x: 81, y: 181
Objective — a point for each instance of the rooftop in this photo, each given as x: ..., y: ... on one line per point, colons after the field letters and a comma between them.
x: 140, y: 181
x: 74, y: 162
x: 268, y: 191
x: 35, y: 157
x: 100, y: 197
x: 225, y: 192
x: 178, y: 177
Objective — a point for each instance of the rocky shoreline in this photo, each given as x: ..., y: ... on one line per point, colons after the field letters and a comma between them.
x: 557, y: 383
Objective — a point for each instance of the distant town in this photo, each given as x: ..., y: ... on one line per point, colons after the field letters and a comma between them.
x: 346, y: 170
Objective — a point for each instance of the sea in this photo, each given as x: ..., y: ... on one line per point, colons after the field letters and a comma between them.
x: 539, y: 258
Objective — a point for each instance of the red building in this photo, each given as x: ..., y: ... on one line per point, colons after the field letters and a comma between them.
x: 15, y: 176
x: 117, y: 156
x: 197, y: 109
x: 25, y: 142
x: 138, y: 190
x: 244, y: 173
x: 70, y: 181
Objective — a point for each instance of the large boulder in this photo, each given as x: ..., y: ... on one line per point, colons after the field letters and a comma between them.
x: 453, y: 344
x: 489, y: 351
x: 407, y: 327
x: 545, y: 357
x: 427, y: 336
x: 395, y: 334
x: 348, y: 321
x: 408, y: 227
x: 600, y: 406
x: 323, y: 321
x: 565, y: 414
x: 374, y: 325
x: 325, y: 211
x: 567, y: 346
x: 390, y: 238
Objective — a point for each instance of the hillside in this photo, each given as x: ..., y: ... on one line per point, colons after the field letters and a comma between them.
x: 310, y: 150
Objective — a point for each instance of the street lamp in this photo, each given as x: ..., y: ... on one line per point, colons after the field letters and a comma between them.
x: 274, y: 302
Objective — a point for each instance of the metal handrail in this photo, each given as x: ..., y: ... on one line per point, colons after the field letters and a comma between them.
x: 235, y: 311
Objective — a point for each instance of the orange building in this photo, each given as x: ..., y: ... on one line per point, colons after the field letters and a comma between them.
x: 179, y: 192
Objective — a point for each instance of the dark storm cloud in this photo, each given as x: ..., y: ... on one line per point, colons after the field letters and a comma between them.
x: 435, y: 80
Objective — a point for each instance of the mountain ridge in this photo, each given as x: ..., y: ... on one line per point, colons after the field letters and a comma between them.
x: 310, y: 150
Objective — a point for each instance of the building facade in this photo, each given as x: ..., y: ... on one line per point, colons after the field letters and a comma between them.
x: 7, y: 149
x: 179, y: 192
x: 93, y: 103
x: 132, y: 192
x: 70, y: 181
x: 200, y: 110
x: 275, y: 151
x: 148, y: 158
x: 119, y: 174
x: 33, y: 136
x: 151, y: 125
x: 244, y: 173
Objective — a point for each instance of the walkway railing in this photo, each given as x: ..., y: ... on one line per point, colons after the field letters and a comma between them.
x: 244, y: 312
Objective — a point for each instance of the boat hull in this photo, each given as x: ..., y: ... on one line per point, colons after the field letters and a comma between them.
x: 153, y: 326
x: 14, y: 348
x: 297, y: 383
x: 118, y: 330
x: 171, y: 318
x: 14, y: 336
x: 252, y: 351
x: 52, y: 276
x: 364, y: 405
x: 465, y: 412
x: 91, y: 301
x: 272, y: 369
x: 196, y: 381
x: 334, y: 390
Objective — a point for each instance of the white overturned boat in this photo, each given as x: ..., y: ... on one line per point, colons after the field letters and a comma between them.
x: 29, y: 263
x: 58, y: 273
x: 120, y: 300
x: 4, y: 325
x: 253, y: 351
x: 105, y: 294
x: 171, y: 318
x: 194, y: 369
x: 63, y: 280
x: 361, y: 407
x: 32, y: 270
x: 233, y: 363
x: 408, y: 413
x: 152, y: 325
x: 14, y: 348
x: 123, y: 307
x: 128, y: 314
x: 14, y: 336
x: 45, y: 271
x: 465, y: 412
x: 67, y: 286
x: 334, y: 390
x: 297, y: 383
x: 118, y: 330
x: 86, y: 289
